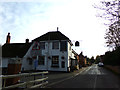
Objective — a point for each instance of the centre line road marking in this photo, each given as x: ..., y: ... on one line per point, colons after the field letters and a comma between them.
x: 95, y: 82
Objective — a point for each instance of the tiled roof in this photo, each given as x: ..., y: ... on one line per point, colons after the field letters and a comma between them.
x: 20, y: 49
x: 55, y: 35
x: 15, y: 49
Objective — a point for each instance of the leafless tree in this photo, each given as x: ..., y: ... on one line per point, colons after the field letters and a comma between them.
x: 113, y: 35
x: 111, y: 12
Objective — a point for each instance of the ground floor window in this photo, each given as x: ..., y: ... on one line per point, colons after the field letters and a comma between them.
x: 41, y: 60
x: 30, y: 62
x: 63, y: 64
x: 55, y: 61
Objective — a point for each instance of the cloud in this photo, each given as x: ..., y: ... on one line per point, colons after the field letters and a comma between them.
x: 15, y: 17
x: 75, y: 18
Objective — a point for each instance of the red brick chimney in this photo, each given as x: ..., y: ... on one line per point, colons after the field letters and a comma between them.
x: 8, y: 38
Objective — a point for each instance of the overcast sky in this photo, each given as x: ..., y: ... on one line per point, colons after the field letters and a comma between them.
x: 75, y: 18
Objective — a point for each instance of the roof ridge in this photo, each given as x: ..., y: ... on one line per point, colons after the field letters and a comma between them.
x: 52, y: 35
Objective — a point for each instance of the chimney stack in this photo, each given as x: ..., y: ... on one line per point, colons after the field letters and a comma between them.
x: 8, y: 39
x: 57, y: 28
x: 27, y: 40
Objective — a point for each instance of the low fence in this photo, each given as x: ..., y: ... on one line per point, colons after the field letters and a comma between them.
x: 35, y: 83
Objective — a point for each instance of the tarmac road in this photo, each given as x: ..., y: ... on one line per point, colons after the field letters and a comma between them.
x: 90, y: 77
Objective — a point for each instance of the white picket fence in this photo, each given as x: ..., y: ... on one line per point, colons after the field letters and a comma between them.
x: 42, y: 81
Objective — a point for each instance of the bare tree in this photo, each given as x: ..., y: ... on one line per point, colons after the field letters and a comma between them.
x: 113, y: 36
x: 111, y: 12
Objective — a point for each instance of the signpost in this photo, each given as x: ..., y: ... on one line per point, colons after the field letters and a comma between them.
x: 36, y: 63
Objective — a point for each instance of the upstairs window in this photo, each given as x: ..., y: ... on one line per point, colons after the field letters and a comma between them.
x: 63, y: 46
x: 42, y: 45
x: 55, y: 45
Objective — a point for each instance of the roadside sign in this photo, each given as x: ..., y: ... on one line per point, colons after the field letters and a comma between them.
x: 36, y: 46
x: 35, y: 63
x: 77, y: 43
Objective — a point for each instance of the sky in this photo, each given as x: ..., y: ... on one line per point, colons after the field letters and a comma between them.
x: 75, y: 18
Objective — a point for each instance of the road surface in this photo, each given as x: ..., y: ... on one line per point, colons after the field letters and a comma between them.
x: 91, y: 77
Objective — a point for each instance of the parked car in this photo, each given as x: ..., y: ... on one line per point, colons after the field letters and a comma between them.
x: 100, y: 64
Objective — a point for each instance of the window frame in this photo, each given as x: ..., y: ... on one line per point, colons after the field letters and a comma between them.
x: 41, y: 59
x: 63, y: 64
x: 63, y: 43
x: 30, y: 62
x: 54, y: 45
x: 42, y: 44
x: 55, y: 61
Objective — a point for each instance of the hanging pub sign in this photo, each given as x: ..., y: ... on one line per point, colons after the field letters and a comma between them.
x: 36, y: 46
x: 77, y: 43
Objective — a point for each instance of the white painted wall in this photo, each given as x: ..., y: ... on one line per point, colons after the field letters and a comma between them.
x: 69, y: 53
x: 73, y: 56
x: 5, y: 62
x: 49, y: 52
x: 25, y: 62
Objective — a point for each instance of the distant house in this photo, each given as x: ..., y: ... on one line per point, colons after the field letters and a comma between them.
x: 74, y: 60
x: 13, y: 50
x: 82, y: 60
x: 51, y: 51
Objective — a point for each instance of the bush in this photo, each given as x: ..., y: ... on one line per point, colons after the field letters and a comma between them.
x: 112, y: 58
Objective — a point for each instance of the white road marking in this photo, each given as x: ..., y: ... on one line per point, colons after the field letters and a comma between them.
x: 94, y: 71
x: 95, y: 82
x: 84, y: 70
x: 76, y: 74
